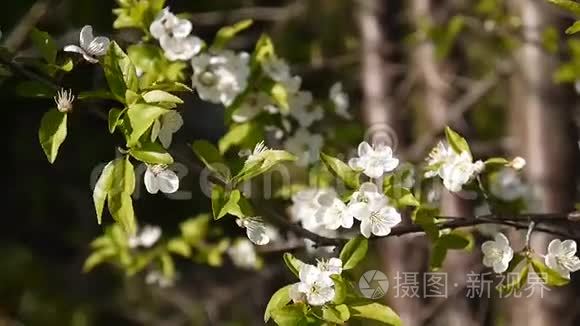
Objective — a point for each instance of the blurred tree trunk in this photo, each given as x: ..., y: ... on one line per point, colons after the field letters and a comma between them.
x: 544, y: 136
x: 398, y: 255
x: 434, y: 84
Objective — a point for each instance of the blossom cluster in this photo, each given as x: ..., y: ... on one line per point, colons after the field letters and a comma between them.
x: 453, y: 167
x: 560, y: 257
x: 315, y: 286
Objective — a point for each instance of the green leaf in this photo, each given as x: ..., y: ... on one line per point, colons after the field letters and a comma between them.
x: 141, y: 116
x: 114, y: 116
x: 227, y: 33
x: 152, y: 153
x: 193, y: 230
x: 453, y: 240
x: 119, y: 72
x: 294, y: 264
x: 33, y: 88
x: 353, y: 252
x: 514, y: 281
x: 425, y: 217
x: 458, y: 143
x: 446, y: 38
x: 267, y: 160
x: 167, y: 266
x: 102, y: 188
x: 101, y: 94
x: 280, y: 96
x: 341, y: 170
x: 340, y: 289
x: 44, y: 42
x: 337, y: 314
x: 223, y: 202
x: 119, y: 198
x: 264, y: 50
x: 575, y: 28
x: 157, y: 96
x: 292, y: 315
x: 170, y: 87
x: 374, y: 311
x: 569, y: 5
x: 496, y: 162
x: 548, y: 275
x: 98, y: 257
x: 211, y: 157
x: 52, y: 133
x: 235, y: 136
x: 278, y: 300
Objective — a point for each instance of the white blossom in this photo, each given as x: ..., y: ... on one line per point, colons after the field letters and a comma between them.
x: 157, y: 278
x: 301, y: 109
x: 258, y: 154
x: 279, y: 71
x: 316, y: 286
x: 333, y: 212
x: 164, y: 128
x: 146, y: 237
x: 517, y: 163
x: 374, y: 162
x: 253, y: 105
x: 455, y: 169
x: 64, y: 100
x: 220, y: 77
x: 377, y: 217
x: 305, y: 207
x: 340, y: 100
x: 332, y: 266
x: 305, y: 145
x: 561, y: 257
x: 181, y: 48
x: 159, y: 177
x: 243, y: 254
x: 497, y: 253
x: 90, y: 47
x: 255, y: 229
x: 459, y: 170
x: 167, y: 24
x: 508, y: 185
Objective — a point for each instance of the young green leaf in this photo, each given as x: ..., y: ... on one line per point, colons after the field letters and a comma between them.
x: 119, y: 72
x: 278, y: 300
x: 341, y: 170
x: 548, y: 275
x: 224, y: 203
x: 571, y: 6
x: 516, y: 275
x: 98, y: 257
x: 152, y: 153
x: 52, y: 133
x: 340, y: 289
x: 353, y: 252
x: 102, y: 188
x: 337, y: 314
x: 291, y: 315
x: 180, y: 247
x: 45, y: 44
x: 294, y: 264
x: 575, y: 28
x: 227, y: 33
x: 157, y: 96
x: 454, y: 240
x: 268, y: 160
x: 211, y: 157
x: 141, y: 117
x: 374, y: 311
x: 114, y: 116
x: 425, y: 217
x: 457, y: 143
x: 119, y: 198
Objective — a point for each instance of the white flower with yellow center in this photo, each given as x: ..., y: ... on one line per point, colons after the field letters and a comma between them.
x: 561, y: 257
x: 497, y: 253
x: 332, y: 266
x: 334, y: 213
x: 220, y: 77
x: 377, y: 217
x: 374, y: 162
x: 315, y: 286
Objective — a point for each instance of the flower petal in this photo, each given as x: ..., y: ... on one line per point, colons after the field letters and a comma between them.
x: 569, y: 247
x: 500, y: 266
x: 151, y: 183
x: 555, y: 247
x: 74, y: 48
x: 168, y: 181
x: 182, y: 28
x: 86, y: 36
x: 364, y: 149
